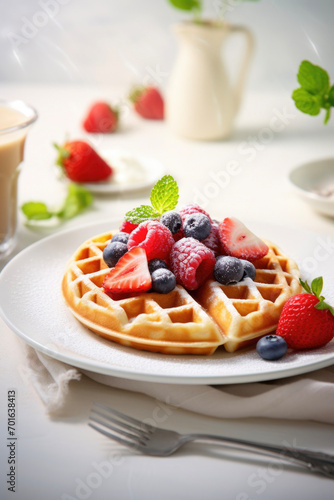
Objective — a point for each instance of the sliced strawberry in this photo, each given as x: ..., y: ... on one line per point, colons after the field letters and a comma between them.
x: 130, y: 274
x: 127, y: 227
x: 237, y: 240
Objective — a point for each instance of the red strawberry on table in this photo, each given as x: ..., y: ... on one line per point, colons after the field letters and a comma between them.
x: 238, y: 241
x: 101, y: 118
x: 130, y: 274
x: 307, y: 321
x: 148, y: 102
x: 81, y: 162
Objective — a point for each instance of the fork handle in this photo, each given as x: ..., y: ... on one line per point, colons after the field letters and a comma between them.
x: 312, y: 460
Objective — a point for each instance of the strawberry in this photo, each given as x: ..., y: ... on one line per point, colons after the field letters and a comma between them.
x: 130, y: 274
x: 148, y: 102
x: 101, y: 118
x: 307, y: 321
x: 127, y: 227
x: 81, y: 162
x: 237, y: 240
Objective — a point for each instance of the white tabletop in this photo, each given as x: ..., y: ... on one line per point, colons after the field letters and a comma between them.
x: 61, y: 457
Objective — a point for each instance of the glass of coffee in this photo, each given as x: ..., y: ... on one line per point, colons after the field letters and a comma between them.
x: 16, y: 118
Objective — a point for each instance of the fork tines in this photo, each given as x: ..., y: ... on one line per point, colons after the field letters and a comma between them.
x: 118, y: 426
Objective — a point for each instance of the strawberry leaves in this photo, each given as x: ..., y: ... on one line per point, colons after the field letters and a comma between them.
x: 316, y: 289
x: 164, y: 197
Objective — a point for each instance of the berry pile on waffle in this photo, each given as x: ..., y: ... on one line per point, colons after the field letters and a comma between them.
x: 179, y: 282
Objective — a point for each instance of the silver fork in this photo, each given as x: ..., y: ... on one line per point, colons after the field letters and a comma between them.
x: 153, y: 441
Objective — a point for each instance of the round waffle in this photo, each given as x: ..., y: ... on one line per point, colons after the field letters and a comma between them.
x: 177, y: 322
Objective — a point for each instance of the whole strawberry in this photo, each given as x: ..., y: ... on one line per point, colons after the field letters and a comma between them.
x: 81, y: 162
x: 101, y: 118
x: 307, y: 321
x: 148, y: 102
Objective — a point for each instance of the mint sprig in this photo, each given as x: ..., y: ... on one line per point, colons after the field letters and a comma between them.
x: 78, y: 198
x: 164, y: 197
x: 315, y: 92
x: 316, y: 289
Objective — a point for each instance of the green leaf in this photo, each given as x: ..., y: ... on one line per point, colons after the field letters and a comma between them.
x: 165, y: 194
x: 141, y: 214
x: 316, y: 286
x: 36, y: 210
x: 305, y: 285
x: 306, y: 102
x: 187, y: 4
x: 331, y: 96
x: 313, y: 78
x: 323, y: 305
x: 77, y: 200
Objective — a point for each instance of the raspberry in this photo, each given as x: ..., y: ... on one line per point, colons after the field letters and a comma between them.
x: 155, y: 238
x: 212, y: 241
x: 127, y: 227
x: 191, y: 262
x: 192, y: 209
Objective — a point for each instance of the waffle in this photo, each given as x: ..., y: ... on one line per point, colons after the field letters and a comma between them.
x: 177, y: 322
x: 250, y: 309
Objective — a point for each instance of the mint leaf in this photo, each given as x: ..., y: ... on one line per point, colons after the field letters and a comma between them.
x: 331, y: 96
x: 186, y: 4
x: 36, y: 210
x: 142, y: 213
x: 316, y: 286
x: 165, y: 194
x: 306, y: 102
x: 313, y: 78
x: 306, y: 286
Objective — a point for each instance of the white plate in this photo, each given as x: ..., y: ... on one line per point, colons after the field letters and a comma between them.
x: 131, y: 172
x: 32, y: 306
x: 314, y: 183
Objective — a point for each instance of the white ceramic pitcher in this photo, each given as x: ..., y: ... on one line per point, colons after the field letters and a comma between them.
x: 200, y: 101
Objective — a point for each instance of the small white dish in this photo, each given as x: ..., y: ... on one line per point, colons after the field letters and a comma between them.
x: 131, y: 172
x: 314, y: 183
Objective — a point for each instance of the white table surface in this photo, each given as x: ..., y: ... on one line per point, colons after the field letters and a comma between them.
x: 61, y: 457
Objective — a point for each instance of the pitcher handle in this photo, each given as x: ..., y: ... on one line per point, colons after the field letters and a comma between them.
x: 245, y: 62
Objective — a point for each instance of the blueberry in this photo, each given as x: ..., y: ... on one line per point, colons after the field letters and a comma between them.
x: 155, y: 264
x: 271, y: 347
x: 172, y: 220
x: 249, y: 269
x: 113, y: 252
x: 197, y: 226
x: 163, y: 281
x: 228, y: 270
x: 121, y: 237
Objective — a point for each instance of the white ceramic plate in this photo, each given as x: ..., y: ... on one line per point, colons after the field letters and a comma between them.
x: 131, y: 172
x: 32, y: 306
x: 314, y: 183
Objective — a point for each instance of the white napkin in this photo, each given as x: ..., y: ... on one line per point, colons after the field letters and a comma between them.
x: 304, y: 397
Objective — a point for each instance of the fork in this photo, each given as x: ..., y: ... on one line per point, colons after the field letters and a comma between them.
x: 151, y: 440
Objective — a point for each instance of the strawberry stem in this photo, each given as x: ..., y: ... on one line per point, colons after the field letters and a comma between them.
x: 316, y: 289
x: 62, y: 154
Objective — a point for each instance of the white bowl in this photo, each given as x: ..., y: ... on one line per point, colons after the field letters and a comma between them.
x: 314, y: 183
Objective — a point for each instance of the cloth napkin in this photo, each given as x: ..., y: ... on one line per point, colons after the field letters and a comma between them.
x: 305, y: 397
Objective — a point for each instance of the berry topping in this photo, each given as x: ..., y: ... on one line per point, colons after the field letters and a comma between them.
x: 130, y: 274
x: 148, y: 102
x: 191, y: 262
x: 101, y: 118
x: 163, y: 281
x: 81, y: 162
x: 228, y: 270
x: 113, y: 252
x: 249, y: 269
x: 127, y: 227
x: 155, y: 238
x: 212, y: 241
x: 237, y: 240
x: 155, y: 264
x: 122, y: 237
x: 307, y: 321
x: 197, y: 226
x: 192, y: 209
x: 172, y: 220
x: 271, y: 347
